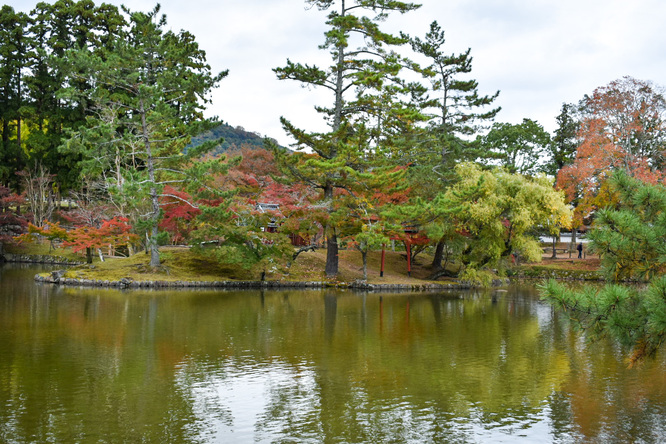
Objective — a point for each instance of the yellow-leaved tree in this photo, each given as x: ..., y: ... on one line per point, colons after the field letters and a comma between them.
x: 493, y: 214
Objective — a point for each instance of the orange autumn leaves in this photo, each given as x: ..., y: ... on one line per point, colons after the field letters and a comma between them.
x: 622, y: 127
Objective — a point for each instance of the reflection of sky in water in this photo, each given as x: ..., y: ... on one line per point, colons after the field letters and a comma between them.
x: 259, y: 402
x: 278, y: 402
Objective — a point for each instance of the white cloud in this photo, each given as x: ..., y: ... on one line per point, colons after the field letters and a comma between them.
x: 538, y: 53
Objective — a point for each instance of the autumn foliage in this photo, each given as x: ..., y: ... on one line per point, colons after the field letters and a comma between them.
x: 112, y: 233
x: 11, y: 222
x: 622, y: 128
x: 178, y: 214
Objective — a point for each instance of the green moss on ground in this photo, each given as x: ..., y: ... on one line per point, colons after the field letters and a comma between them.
x: 181, y: 264
x: 178, y: 264
x: 43, y: 249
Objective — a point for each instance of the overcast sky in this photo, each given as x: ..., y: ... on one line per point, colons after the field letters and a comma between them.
x: 537, y: 53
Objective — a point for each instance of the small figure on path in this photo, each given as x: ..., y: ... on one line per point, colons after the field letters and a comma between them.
x: 580, y: 250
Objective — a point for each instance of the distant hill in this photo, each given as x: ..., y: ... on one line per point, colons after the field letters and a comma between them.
x: 234, y: 138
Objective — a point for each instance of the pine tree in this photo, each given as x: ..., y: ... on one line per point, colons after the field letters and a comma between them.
x: 55, y: 29
x: 455, y: 105
x: 630, y: 240
x: 148, y: 94
x: 456, y: 112
x: 564, y: 142
x: 365, y: 108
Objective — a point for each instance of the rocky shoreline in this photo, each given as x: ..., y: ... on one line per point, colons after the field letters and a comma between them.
x: 57, y: 278
x: 37, y: 259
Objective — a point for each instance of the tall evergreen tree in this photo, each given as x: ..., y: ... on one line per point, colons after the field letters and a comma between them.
x: 55, y: 29
x: 456, y: 112
x: 14, y: 61
x: 455, y: 105
x: 564, y: 143
x: 148, y: 91
x: 364, y: 83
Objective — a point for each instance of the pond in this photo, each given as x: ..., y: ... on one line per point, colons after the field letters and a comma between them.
x: 105, y: 365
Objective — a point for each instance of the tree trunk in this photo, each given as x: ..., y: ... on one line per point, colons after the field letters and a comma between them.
x: 364, y: 254
x: 154, y: 249
x: 332, y: 254
x: 154, y: 198
x: 554, y: 256
x: 331, y: 240
x: 439, y: 255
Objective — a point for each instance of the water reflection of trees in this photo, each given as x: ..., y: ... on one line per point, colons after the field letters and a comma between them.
x: 324, y: 365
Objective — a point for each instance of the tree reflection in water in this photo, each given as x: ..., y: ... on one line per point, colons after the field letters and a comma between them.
x: 310, y: 366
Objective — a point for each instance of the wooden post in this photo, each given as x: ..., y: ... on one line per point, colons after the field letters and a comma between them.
x: 381, y: 270
x: 409, y: 258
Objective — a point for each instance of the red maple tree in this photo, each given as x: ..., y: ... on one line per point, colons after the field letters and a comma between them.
x: 12, y: 222
x: 112, y: 233
x: 178, y: 214
x: 623, y: 127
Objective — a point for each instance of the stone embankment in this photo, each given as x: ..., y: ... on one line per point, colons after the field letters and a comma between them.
x: 38, y: 259
x: 57, y: 277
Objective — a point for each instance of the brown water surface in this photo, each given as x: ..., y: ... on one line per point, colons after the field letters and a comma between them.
x: 103, y: 365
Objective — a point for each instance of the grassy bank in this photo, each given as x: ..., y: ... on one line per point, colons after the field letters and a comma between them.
x: 180, y: 264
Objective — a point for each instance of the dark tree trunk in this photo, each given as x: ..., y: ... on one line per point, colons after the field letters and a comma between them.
x: 439, y: 255
x: 331, y: 240
x: 554, y: 256
x: 332, y: 254
x: 364, y: 254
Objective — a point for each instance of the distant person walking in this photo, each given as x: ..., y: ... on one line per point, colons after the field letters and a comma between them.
x: 580, y: 250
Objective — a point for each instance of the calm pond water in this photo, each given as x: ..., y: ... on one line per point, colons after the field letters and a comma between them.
x: 96, y: 365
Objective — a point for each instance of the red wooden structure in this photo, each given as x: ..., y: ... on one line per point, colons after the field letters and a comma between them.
x: 411, y: 236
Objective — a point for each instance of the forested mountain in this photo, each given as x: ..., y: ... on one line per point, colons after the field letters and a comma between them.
x: 234, y: 138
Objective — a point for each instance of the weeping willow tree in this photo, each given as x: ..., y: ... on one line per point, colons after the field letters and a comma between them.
x: 629, y: 238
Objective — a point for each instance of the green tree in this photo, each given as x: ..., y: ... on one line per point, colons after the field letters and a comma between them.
x: 519, y: 148
x: 453, y: 104
x: 365, y: 108
x: 240, y: 235
x: 55, y: 29
x: 563, y: 145
x: 455, y: 111
x: 494, y: 214
x: 14, y: 60
x: 149, y: 90
x: 629, y: 237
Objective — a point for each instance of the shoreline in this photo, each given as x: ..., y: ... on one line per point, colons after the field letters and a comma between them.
x: 37, y: 259
x: 57, y: 278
